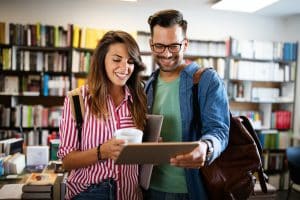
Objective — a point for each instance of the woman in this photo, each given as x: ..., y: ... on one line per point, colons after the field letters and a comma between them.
x: 113, y: 99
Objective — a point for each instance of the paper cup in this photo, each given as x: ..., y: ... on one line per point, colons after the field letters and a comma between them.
x: 130, y: 135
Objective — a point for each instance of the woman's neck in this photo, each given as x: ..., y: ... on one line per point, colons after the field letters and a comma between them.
x: 117, y: 94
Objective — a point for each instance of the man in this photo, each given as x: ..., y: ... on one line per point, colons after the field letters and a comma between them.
x: 169, y: 93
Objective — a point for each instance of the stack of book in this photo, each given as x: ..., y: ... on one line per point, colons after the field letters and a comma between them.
x: 39, y: 186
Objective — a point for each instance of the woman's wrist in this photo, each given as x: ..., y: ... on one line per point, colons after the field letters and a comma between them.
x: 99, y: 156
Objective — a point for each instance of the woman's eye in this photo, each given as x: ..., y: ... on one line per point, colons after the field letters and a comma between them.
x: 130, y: 61
x: 116, y: 60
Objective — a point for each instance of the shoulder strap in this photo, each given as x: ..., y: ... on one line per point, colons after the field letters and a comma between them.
x: 261, y: 175
x: 197, y: 75
x: 77, y: 110
x: 196, y: 78
x: 71, y: 94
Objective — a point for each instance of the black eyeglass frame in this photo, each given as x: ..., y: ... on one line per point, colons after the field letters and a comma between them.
x: 163, y: 46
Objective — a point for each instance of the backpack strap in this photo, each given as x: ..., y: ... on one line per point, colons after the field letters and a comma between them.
x: 196, y: 78
x: 261, y: 175
x: 77, y: 110
x: 197, y: 75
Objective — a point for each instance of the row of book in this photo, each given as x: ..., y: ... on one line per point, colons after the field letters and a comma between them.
x: 6, y: 134
x: 274, y: 161
x: 39, y: 137
x: 77, y: 82
x: 254, y: 49
x: 219, y: 64
x: 16, y: 141
x: 281, y: 119
x: 50, y: 35
x: 206, y: 48
x: 11, y: 146
x: 81, y: 61
x: 30, y: 116
x: 25, y: 60
x: 32, y: 85
x: 5, y: 58
x: 245, y: 91
x: 256, y: 71
x: 55, y: 86
x: 254, y: 117
x: 274, y: 139
x: 34, y: 35
x: 12, y: 164
x: 38, y: 61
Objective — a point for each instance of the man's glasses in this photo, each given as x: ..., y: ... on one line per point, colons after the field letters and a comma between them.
x: 160, y: 48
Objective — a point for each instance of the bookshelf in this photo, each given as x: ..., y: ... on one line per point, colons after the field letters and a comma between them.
x: 36, y: 71
x: 261, y: 85
x: 40, y: 63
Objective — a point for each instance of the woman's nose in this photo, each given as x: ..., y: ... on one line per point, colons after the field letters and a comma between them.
x: 125, y: 66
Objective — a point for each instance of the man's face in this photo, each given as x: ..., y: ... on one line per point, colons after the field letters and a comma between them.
x: 168, y: 46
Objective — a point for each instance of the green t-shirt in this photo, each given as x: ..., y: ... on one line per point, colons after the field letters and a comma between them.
x: 168, y: 178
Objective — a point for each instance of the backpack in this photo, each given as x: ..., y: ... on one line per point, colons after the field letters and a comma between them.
x: 231, y: 175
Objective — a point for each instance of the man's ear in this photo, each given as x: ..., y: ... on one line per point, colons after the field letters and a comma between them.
x: 150, y: 43
x: 185, y: 44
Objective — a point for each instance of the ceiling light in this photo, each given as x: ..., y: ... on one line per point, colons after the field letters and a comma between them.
x: 130, y: 0
x: 242, y: 5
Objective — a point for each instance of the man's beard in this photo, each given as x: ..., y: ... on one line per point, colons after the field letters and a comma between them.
x: 168, y: 68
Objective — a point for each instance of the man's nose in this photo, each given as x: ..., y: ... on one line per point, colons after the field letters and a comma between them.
x: 166, y: 52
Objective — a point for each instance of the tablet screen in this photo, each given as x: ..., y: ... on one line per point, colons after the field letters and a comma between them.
x: 153, y: 152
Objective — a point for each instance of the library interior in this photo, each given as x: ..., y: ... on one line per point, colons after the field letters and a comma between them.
x: 46, y: 49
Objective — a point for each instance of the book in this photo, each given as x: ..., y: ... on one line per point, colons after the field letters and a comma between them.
x: 40, y: 196
x: 37, y: 188
x: 11, y: 191
x: 63, y: 185
x: 41, y: 179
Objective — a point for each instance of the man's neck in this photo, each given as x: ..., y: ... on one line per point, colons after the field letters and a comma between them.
x: 170, y: 76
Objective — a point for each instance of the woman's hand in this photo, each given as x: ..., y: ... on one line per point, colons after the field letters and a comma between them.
x: 111, y: 149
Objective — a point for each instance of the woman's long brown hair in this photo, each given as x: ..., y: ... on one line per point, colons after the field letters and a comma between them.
x: 98, y: 81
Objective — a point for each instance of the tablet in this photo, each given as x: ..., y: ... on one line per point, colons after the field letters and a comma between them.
x: 151, y: 134
x: 153, y: 127
x: 153, y: 152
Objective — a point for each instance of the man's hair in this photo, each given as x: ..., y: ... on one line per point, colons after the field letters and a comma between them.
x: 167, y: 18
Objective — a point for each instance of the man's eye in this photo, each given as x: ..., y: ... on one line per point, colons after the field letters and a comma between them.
x: 175, y: 46
x: 158, y: 46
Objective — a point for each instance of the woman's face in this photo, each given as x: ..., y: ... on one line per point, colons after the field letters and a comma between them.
x: 118, y: 65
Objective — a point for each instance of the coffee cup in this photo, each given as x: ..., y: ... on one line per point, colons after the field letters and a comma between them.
x: 130, y: 135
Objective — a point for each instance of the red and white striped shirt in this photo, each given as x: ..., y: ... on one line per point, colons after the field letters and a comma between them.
x: 94, y: 132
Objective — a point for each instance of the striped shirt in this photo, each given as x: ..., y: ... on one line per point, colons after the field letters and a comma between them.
x: 97, y: 131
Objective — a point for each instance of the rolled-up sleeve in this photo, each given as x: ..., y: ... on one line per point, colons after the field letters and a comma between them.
x: 67, y: 132
x: 215, y: 114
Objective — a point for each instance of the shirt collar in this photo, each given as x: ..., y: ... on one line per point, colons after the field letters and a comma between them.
x: 128, y: 94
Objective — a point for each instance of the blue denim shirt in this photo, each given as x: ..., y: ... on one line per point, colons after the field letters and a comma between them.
x: 214, y: 115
